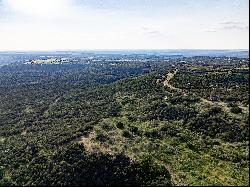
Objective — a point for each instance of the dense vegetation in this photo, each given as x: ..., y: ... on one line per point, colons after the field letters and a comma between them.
x: 106, y: 124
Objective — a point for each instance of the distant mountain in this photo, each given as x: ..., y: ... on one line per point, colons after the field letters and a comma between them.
x: 180, y: 52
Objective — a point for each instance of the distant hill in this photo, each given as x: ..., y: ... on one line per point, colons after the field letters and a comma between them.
x: 168, y: 52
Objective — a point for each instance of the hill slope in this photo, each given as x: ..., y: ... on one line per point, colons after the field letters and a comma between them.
x: 96, y: 127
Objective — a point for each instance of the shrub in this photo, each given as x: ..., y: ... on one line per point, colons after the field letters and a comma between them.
x: 126, y: 134
x: 214, y: 110
x: 101, y: 138
x: 108, y: 127
x: 134, y: 130
x: 120, y: 125
x: 153, y: 134
x: 236, y: 110
x: 132, y: 118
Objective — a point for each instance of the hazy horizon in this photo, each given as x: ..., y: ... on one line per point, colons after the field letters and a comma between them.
x: 84, y: 50
x: 53, y: 25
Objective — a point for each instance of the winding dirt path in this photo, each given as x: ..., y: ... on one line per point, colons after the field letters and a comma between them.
x: 222, y: 104
x: 169, y: 77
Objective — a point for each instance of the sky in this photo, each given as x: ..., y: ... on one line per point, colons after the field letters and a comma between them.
x: 123, y: 24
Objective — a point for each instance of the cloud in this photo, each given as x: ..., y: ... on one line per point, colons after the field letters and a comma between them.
x: 211, y: 30
x: 233, y: 25
x: 229, y: 26
x: 151, y: 31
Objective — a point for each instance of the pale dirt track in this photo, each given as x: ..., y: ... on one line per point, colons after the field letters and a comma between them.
x: 167, y: 80
x: 223, y: 105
